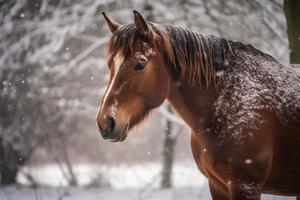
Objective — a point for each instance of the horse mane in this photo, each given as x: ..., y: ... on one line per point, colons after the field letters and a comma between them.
x: 196, y: 57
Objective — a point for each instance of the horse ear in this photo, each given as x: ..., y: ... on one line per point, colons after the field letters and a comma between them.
x: 112, y: 24
x: 141, y: 25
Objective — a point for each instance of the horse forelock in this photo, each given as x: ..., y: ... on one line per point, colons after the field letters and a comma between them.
x: 122, y: 40
x: 197, y: 57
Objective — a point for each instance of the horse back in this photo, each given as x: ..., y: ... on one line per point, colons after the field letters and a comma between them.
x: 260, y: 101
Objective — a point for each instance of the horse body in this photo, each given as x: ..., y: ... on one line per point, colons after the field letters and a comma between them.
x: 242, y: 106
x: 252, y: 120
x: 251, y: 126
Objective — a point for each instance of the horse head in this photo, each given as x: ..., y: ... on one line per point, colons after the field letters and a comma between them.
x: 139, y: 78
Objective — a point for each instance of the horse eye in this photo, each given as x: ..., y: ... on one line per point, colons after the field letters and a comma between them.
x: 139, y: 66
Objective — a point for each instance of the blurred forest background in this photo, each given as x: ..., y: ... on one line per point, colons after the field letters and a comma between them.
x: 53, y: 74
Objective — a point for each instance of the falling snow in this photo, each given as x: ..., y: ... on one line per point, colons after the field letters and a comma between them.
x: 61, y: 41
x: 248, y: 161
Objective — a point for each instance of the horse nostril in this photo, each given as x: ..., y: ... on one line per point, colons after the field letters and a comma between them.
x: 110, y: 124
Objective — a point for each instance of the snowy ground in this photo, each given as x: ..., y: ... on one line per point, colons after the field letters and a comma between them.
x: 118, y: 176
x: 188, y: 193
x: 126, y: 182
x: 14, y: 193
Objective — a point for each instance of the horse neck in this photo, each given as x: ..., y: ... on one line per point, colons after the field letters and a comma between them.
x: 193, y: 102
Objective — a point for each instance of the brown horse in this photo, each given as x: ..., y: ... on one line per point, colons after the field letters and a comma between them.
x: 242, y: 105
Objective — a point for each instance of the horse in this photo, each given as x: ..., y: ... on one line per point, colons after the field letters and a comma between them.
x: 242, y: 105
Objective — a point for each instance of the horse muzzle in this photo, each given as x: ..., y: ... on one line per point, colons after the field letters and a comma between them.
x: 110, y: 131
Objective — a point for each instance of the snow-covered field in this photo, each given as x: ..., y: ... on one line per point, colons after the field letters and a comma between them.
x: 14, y: 193
x: 117, y: 176
x: 47, y: 193
x: 126, y: 182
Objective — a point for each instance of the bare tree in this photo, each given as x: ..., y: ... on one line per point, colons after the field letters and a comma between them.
x: 169, y: 147
x: 168, y: 154
x: 291, y: 9
x: 30, y: 101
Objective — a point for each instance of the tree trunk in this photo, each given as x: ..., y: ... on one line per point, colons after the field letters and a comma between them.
x: 291, y: 9
x: 8, y: 175
x: 10, y: 163
x: 168, y: 154
x: 8, y: 172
